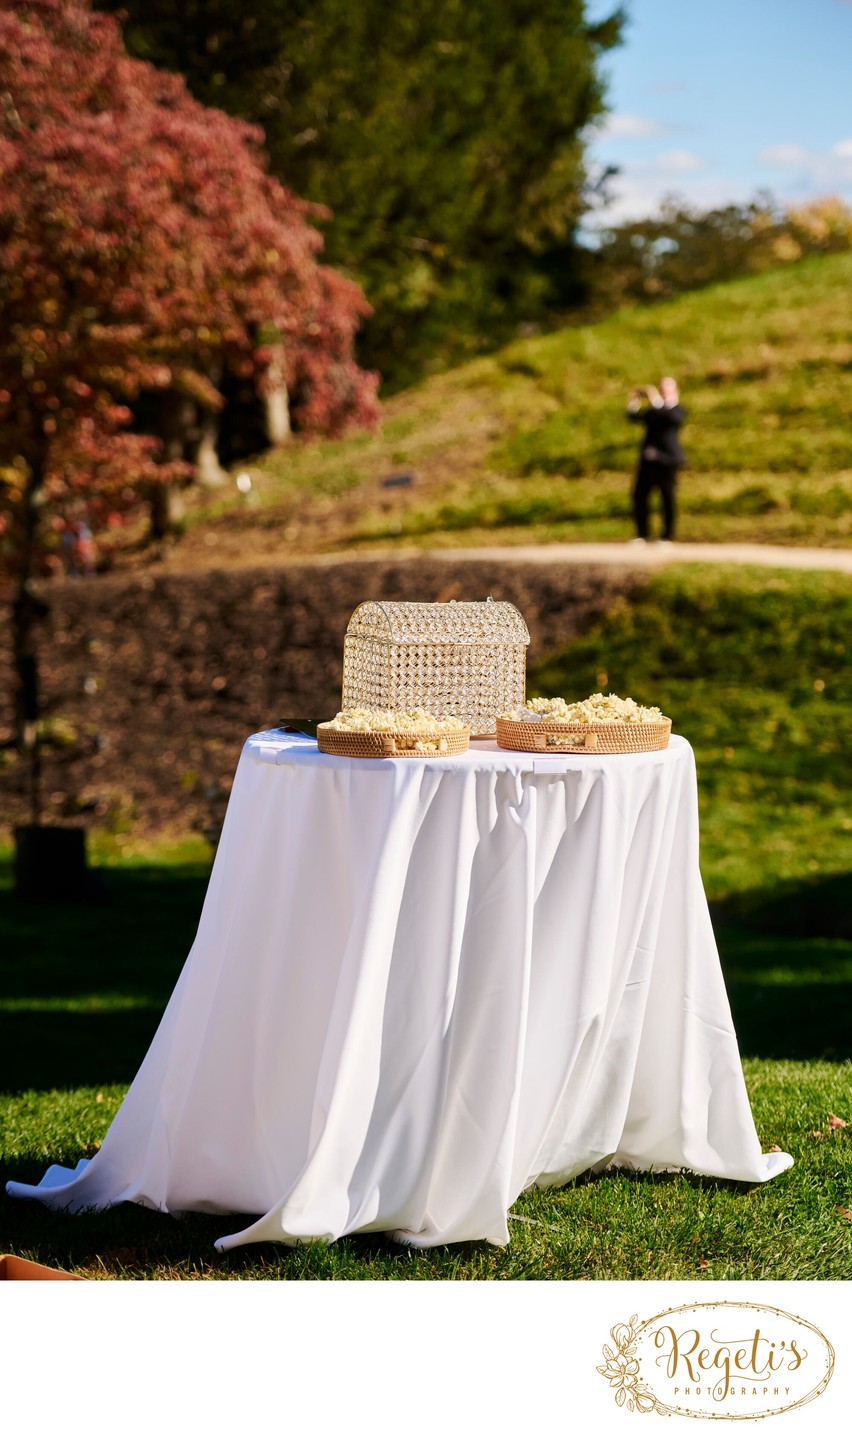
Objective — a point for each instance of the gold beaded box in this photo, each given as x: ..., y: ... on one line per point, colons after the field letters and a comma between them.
x: 463, y: 659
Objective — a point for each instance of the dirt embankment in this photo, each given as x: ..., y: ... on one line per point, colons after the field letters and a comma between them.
x: 152, y: 683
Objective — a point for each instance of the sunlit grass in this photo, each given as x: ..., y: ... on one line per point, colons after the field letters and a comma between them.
x: 613, y: 1226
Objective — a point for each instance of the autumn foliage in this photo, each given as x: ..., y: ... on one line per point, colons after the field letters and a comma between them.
x: 143, y: 247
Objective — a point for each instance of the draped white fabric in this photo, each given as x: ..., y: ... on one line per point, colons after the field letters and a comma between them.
x: 420, y: 986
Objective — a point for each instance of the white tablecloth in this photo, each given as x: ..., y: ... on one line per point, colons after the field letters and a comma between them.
x: 421, y: 986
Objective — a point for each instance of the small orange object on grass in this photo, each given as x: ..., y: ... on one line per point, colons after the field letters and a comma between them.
x: 12, y: 1268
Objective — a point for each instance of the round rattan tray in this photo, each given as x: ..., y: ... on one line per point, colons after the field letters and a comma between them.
x: 391, y: 744
x: 553, y: 737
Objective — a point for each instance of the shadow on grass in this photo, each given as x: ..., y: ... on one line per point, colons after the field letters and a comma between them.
x: 73, y: 1049
x: 125, y: 1241
x: 790, y: 998
x: 129, y: 1242
x: 133, y: 1242
x: 818, y: 907
x: 787, y: 957
x: 699, y: 1182
x: 83, y: 987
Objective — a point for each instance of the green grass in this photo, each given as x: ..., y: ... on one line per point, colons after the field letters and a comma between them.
x: 752, y: 667
x: 713, y: 507
x: 82, y: 987
x: 531, y: 444
x: 614, y: 1226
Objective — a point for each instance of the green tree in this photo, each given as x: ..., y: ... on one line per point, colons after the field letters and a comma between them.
x: 447, y: 138
x: 120, y: 278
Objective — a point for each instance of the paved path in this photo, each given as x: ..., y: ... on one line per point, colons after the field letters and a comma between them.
x: 651, y: 555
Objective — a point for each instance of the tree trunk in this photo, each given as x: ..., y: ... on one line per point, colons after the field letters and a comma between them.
x: 276, y: 401
x: 176, y: 427
x: 208, y: 469
x: 50, y: 863
x: 27, y: 611
x: 164, y: 511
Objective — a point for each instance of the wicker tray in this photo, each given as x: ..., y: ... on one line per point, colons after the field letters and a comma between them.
x: 391, y: 744
x: 554, y: 737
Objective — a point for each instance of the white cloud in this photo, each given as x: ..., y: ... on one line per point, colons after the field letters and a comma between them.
x: 679, y: 161
x: 816, y: 172
x: 785, y: 155
x: 801, y: 175
x: 640, y: 191
x: 630, y: 127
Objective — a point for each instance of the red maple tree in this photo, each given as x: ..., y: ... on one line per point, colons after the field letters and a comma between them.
x: 143, y: 247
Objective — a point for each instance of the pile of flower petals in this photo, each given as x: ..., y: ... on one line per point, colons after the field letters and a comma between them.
x: 597, y: 709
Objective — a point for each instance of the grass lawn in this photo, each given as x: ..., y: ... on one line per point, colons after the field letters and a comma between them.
x: 752, y: 667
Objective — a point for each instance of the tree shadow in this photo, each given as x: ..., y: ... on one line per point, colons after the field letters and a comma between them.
x: 133, y: 1242
x: 699, y: 1182
x: 817, y: 907
x: 70, y: 1049
x: 127, y: 1241
x: 787, y: 958
x: 83, y: 986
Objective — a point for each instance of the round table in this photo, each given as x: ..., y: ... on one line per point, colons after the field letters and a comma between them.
x: 422, y: 985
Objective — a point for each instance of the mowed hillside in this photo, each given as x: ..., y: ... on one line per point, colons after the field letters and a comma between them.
x: 531, y: 444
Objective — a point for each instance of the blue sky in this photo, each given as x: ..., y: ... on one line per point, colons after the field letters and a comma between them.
x: 716, y: 100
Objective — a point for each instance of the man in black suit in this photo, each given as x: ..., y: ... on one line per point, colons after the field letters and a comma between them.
x: 661, y: 455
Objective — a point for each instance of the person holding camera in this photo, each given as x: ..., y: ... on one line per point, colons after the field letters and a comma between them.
x: 661, y: 455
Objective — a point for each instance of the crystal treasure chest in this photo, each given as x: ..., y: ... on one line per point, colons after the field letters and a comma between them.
x: 461, y: 659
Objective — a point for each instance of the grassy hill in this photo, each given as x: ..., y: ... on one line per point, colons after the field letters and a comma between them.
x: 531, y: 444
